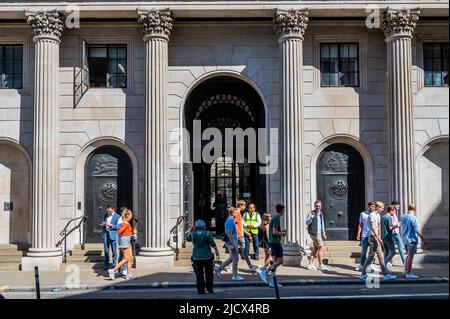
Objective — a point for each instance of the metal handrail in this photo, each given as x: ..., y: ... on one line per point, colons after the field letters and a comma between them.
x: 64, y: 233
x: 173, y: 234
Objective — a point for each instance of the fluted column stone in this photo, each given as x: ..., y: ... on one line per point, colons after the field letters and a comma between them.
x: 398, y: 27
x: 290, y: 27
x: 47, y: 27
x: 157, y: 26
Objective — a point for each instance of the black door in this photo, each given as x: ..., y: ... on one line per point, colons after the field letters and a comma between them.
x: 108, y: 182
x: 341, y: 188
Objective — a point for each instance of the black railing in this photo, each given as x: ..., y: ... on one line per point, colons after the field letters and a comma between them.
x: 65, y: 233
x: 173, y: 234
x: 80, y: 84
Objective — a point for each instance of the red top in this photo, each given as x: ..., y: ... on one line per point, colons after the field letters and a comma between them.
x: 125, y: 229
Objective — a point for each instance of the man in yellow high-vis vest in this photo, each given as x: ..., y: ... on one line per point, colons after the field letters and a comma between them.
x: 252, y: 222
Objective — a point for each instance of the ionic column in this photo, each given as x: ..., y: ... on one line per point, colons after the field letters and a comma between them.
x: 290, y: 27
x: 157, y: 26
x: 398, y: 27
x: 47, y: 28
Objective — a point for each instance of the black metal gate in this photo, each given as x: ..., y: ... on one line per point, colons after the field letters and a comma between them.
x: 341, y: 188
x: 108, y: 182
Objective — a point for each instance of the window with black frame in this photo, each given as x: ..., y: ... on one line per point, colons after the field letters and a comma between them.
x: 339, y: 64
x: 107, y: 65
x: 435, y: 64
x: 11, y: 64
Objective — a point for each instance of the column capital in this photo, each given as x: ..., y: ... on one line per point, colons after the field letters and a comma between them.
x: 399, y: 22
x: 156, y: 23
x: 290, y: 23
x: 46, y: 24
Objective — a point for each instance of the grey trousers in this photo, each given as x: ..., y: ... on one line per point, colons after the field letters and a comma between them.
x: 375, y: 248
x: 233, y: 259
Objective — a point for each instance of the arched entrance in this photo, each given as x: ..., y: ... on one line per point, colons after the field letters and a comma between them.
x: 433, y: 194
x: 15, y: 194
x: 341, y: 188
x: 108, y: 181
x: 223, y: 103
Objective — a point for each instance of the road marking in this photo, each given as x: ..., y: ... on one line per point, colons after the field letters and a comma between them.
x: 360, y: 296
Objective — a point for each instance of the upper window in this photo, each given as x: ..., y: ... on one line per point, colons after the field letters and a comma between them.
x: 11, y: 60
x: 107, y: 65
x: 339, y: 64
x: 435, y: 61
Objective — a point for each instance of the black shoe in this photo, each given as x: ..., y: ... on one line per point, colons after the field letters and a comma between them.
x: 105, y: 268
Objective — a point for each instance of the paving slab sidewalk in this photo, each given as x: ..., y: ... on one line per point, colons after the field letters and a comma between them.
x: 177, y: 277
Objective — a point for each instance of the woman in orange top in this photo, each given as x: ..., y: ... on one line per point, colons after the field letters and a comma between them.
x: 125, y: 232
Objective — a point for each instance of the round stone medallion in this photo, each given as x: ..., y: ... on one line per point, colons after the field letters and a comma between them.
x: 339, y: 189
x: 108, y: 191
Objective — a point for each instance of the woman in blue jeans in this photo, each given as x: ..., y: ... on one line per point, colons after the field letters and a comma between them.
x: 396, y: 233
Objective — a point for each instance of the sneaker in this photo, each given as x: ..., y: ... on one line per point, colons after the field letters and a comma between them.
x: 253, y: 268
x: 359, y: 268
x: 411, y: 276
x: 323, y: 268
x: 389, y: 265
x: 263, y: 275
x: 130, y: 277
x: 217, y: 271
x: 111, y: 274
x: 311, y: 267
x: 272, y: 284
x: 363, y: 277
x: 237, y: 278
x: 228, y: 269
x: 268, y: 278
x: 389, y: 277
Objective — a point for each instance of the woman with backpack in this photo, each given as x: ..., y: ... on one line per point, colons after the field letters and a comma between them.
x: 202, y: 258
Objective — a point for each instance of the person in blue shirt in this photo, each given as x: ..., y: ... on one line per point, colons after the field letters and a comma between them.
x: 410, y: 237
x: 232, y: 246
x: 316, y: 229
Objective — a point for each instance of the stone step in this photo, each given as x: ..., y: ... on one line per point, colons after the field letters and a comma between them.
x: 88, y: 259
x: 11, y: 253
x: 89, y: 246
x: 8, y: 259
x: 87, y: 253
x: 10, y: 266
x: 332, y: 243
x: 9, y: 246
x: 341, y: 261
x: 83, y: 265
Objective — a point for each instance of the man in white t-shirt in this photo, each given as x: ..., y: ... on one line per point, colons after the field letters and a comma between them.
x: 363, y: 234
x: 375, y: 244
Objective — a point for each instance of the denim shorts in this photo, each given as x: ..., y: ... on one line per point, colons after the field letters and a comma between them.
x: 276, y: 249
x: 124, y: 241
x: 411, y: 249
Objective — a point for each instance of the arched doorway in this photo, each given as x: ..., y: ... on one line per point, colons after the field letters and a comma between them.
x: 341, y: 188
x: 108, y: 181
x: 223, y: 103
x: 14, y: 195
x: 433, y: 194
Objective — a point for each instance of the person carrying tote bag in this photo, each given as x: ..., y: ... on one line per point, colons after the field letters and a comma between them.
x: 202, y: 257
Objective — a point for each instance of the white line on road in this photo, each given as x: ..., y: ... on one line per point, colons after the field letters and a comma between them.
x: 361, y: 296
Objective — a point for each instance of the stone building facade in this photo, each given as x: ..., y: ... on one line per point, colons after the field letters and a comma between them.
x: 360, y: 106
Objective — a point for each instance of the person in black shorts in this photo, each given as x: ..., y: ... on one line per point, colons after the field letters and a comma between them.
x: 267, y: 216
x: 275, y: 234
